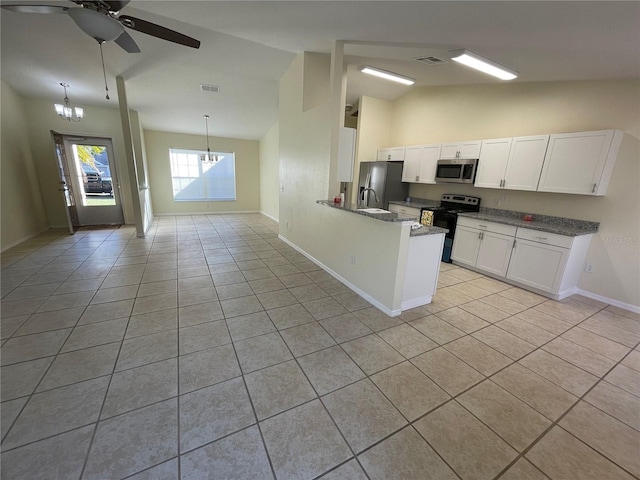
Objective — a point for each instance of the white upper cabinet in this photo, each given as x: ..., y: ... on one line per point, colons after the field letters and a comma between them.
x: 526, y: 158
x: 512, y: 163
x: 461, y: 150
x: 411, y: 167
x: 430, y: 157
x: 492, y: 163
x: 391, y: 154
x: 580, y: 162
x: 420, y: 163
x: 346, y: 154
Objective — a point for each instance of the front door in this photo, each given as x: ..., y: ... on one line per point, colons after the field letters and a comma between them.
x: 94, y: 178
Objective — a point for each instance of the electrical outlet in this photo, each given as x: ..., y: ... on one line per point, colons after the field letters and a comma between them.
x: 588, y: 268
x: 287, y: 223
x: 353, y: 260
x: 496, y: 202
x: 282, y: 188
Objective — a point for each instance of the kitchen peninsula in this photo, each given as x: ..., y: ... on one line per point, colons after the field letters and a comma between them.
x: 378, y: 255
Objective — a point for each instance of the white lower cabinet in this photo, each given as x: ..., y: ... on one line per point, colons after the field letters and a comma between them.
x: 466, y: 244
x: 484, y: 245
x: 413, y: 211
x: 494, y: 253
x: 538, y: 265
x: 548, y: 263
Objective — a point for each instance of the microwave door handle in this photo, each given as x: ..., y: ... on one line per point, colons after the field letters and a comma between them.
x: 367, y: 182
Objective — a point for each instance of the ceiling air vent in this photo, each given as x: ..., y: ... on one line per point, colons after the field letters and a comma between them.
x: 204, y: 87
x: 430, y: 60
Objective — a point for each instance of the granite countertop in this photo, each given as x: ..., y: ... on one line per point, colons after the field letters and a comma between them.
x: 544, y: 223
x: 386, y: 217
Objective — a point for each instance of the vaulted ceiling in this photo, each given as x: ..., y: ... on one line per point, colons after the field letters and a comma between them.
x: 247, y: 46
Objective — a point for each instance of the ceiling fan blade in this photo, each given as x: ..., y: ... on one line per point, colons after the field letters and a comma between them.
x: 158, y: 31
x: 35, y: 8
x: 127, y: 43
x: 116, y: 5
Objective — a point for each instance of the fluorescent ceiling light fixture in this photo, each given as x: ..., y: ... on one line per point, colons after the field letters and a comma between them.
x: 473, y: 60
x: 394, y: 77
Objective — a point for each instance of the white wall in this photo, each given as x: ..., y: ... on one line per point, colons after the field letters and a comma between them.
x: 270, y: 172
x: 23, y: 214
x: 304, y: 155
x: 330, y: 236
x: 97, y: 122
x: 374, y: 127
x: 144, y: 192
x: 440, y: 114
x: 247, y: 153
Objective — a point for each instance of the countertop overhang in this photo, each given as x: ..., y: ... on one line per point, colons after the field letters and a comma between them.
x: 386, y: 217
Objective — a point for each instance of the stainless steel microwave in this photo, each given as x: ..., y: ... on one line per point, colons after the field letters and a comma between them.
x: 456, y: 170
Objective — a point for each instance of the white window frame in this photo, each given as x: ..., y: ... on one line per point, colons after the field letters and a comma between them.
x: 194, y: 165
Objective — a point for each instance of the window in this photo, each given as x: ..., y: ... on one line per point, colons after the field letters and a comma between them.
x: 194, y: 180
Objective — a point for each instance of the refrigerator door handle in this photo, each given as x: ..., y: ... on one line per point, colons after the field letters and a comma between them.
x: 367, y: 186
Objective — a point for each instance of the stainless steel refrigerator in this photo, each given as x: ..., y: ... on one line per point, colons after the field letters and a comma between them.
x: 379, y: 183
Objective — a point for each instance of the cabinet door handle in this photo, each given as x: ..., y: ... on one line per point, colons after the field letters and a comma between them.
x: 479, y: 235
x: 593, y: 190
x: 417, y: 178
x: 542, y: 238
x: 482, y: 226
x: 514, y: 244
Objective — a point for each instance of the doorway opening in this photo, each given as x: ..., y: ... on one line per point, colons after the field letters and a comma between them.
x: 88, y: 176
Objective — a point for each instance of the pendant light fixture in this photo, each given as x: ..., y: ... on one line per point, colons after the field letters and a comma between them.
x: 66, y: 111
x: 209, y: 157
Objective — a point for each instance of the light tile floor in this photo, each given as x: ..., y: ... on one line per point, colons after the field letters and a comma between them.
x: 212, y: 350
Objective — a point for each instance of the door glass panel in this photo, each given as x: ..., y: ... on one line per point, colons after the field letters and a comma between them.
x: 94, y: 175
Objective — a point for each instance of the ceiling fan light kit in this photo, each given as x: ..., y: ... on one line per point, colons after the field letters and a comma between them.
x: 100, y: 20
x: 66, y: 111
x: 394, y: 77
x: 95, y: 24
x: 478, y: 62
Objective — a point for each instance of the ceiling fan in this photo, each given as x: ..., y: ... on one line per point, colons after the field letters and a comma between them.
x: 100, y: 20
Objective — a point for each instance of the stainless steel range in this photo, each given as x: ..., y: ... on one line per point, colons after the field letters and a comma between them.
x: 446, y: 216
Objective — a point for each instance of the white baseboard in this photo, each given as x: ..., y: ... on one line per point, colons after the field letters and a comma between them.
x: 416, y: 302
x: 24, y: 239
x: 181, y: 214
x: 560, y: 295
x: 610, y: 301
x: 270, y: 216
x: 337, y: 276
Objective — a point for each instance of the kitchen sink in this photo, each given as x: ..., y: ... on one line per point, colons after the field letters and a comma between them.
x: 373, y: 210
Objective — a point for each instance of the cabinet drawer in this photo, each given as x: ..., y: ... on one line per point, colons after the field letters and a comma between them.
x: 487, y: 226
x: 544, y: 237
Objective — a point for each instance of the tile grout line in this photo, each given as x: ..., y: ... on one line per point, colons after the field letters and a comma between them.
x: 561, y: 417
x: 367, y: 376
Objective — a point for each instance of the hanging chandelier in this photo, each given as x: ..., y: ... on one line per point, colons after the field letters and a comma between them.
x: 66, y: 111
x: 209, y: 157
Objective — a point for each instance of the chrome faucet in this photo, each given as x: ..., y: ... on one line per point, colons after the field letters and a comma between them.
x: 375, y: 195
